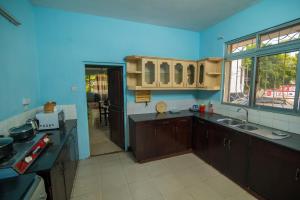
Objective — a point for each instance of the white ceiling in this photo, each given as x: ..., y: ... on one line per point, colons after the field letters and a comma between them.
x: 186, y: 14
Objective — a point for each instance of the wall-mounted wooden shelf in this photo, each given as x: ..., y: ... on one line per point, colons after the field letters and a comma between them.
x: 134, y: 72
x: 156, y: 73
x: 214, y: 73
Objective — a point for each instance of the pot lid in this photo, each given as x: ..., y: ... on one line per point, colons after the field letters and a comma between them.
x: 20, y: 129
x: 5, y: 141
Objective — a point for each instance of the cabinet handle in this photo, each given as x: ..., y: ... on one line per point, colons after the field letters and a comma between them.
x: 224, y: 142
x: 200, y: 121
x: 297, y: 176
x: 229, y: 144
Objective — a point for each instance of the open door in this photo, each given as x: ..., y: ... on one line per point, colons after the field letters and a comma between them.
x: 116, y: 105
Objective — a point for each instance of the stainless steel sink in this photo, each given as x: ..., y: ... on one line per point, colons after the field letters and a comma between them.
x: 268, y: 133
x: 246, y: 127
x: 230, y: 122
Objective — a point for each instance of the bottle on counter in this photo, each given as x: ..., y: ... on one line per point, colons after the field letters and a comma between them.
x: 202, y: 108
x: 210, y: 108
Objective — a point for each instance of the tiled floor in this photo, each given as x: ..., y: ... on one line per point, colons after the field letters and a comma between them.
x: 100, y: 142
x: 185, y: 177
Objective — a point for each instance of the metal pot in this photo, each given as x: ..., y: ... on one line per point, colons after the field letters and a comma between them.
x: 34, y: 123
x: 6, y: 146
x: 22, y: 132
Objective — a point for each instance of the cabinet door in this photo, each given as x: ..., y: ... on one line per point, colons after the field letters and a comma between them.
x: 274, y: 171
x: 149, y: 72
x: 217, y: 147
x: 178, y: 74
x: 166, y: 138
x: 200, y: 139
x: 288, y: 184
x: 263, y: 168
x: 164, y: 73
x: 238, y: 145
x: 145, y: 141
x: 58, y: 179
x: 183, y: 133
x: 191, y: 72
x: 69, y: 164
x: 201, y: 74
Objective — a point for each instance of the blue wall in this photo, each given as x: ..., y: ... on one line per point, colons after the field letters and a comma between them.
x: 263, y: 15
x: 66, y: 39
x: 18, y: 59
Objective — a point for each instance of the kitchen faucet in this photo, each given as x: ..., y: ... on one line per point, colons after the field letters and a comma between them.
x: 247, y: 115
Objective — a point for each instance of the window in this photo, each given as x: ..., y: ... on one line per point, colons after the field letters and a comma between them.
x: 281, y: 36
x: 242, y: 46
x: 276, y: 84
x: 238, y: 81
x: 264, y: 75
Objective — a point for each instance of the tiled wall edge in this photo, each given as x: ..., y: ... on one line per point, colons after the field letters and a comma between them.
x: 17, y: 120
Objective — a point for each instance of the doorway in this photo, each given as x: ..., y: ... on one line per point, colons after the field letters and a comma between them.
x: 105, y: 105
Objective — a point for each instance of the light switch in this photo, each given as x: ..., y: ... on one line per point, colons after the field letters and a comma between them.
x: 26, y: 101
x: 74, y: 88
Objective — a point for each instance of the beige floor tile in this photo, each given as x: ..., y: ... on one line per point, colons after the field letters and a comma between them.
x: 242, y: 195
x: 88, y: 172
x: 144, y: 190
x: 120, y: 192
x: 203, y: 192
x: 178, y: 195
x: 119, y: 177
x: 100, y: 142
x: 136, y: 173
x: 224, y: 186
x: 111, y: 180
x: 157, y: 168
x: 167, y: 184
x: 89, y: 196
x: 87, y: 186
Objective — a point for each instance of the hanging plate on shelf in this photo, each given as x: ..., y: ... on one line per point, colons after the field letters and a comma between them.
x: 161, y: 107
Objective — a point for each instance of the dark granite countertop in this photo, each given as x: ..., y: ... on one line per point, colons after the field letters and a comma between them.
x: 15, y: 188
x: 49, y: 156
x: 292, y: 142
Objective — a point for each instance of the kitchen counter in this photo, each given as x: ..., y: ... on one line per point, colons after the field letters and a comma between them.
x: 49, y: 156
x: 15, y: 188
x: 292, y: 142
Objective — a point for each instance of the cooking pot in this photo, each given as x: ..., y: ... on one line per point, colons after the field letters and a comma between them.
x: 22, y: 132
x: 6, y: 146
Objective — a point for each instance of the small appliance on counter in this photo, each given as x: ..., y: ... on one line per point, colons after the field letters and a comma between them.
x: 51, y: 120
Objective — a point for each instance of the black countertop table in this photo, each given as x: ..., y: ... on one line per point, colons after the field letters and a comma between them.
x: 58, y: 138
x: 292, y: 142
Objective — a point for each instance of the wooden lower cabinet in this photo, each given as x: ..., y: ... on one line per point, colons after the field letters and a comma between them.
x: 156, y: 139
x: 225, y: 149
x: 269, y: 170
x: 143, y: 140
x: 59, y: 180
x: 183, y: 134
x: 200, y: 139
x: 274, y: 171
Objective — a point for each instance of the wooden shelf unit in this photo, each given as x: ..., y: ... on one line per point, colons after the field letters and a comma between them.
x: 136, y: 72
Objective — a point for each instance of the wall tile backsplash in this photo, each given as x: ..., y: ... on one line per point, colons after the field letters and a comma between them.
x: 279, y: 121
x: 17, y: 120
x: 138, y: 108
